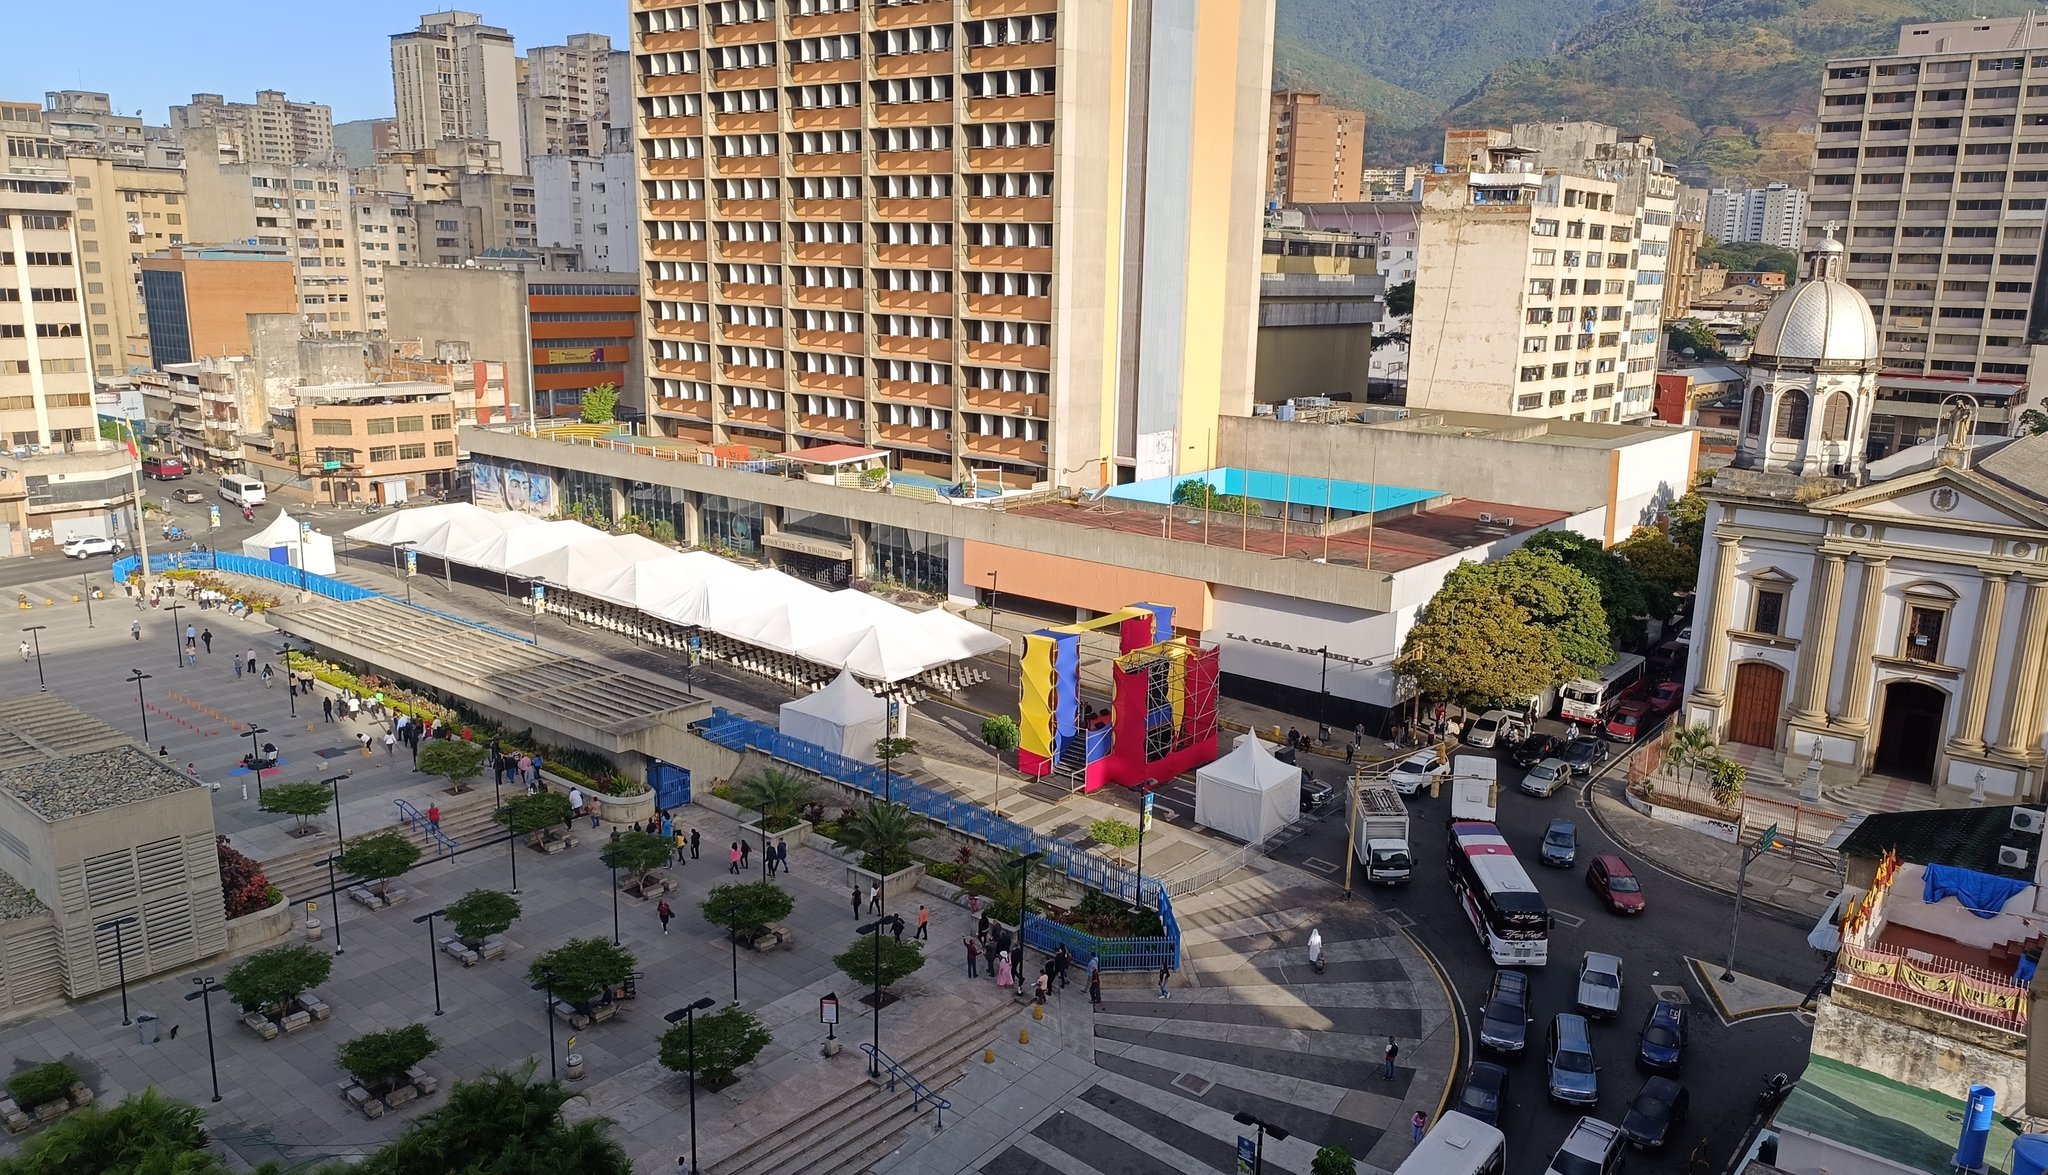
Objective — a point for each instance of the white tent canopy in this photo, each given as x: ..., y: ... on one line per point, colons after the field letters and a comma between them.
x: 579, y: 566
x: 843, y: 717
x: 523, y: 544
x: 655, y: 586
x: 1248, y: 793
x: 458, y: 538
x: 314, y: 554
x: 415, y: 523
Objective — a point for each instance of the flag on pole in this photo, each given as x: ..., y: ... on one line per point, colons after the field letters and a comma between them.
x: 1145, y: 821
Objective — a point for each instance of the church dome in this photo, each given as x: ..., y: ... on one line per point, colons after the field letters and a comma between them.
x: 1822, y: 319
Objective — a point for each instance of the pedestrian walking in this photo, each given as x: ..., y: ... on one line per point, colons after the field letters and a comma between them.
x: 1062, y: 958
x: 875, y: 898
x: 1165, y: 972
x: 24, y: 650
x: 575, y: 801
x: 526, y: 770
x: 856, y: 891
x: 250, y: 657
x: 973, y: 904
x: 667, y: 827
x: 768, y: 858
x: 191, y: 634
x: 206, y: 638
x: 896, y: 926
x: 1095, y: 991
x: 746, y: 855
x: 683, y: 1166
x: 1392, y: 1052
x: 1418, y: 1124
x: 973, y: 956
x: 1350, y: 752
x: 326, y: 709
x: 682, y: 846
x: 732, y: 854
x: 1040, y: 986
x: 664, y: 912
x: 266, y: 677
x: 390, y: 744
x: 924, y: 923
x: 135, y: 629
x: 434, y: 817
x: 695, y: 840
x: 1001, y: 970
x: 238, y: 668
x: 782, y: 854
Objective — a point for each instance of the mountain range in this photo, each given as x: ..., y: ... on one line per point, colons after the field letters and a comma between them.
x: 1727, y: 87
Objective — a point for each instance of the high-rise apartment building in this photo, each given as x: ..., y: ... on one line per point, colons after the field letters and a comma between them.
x: 587, y: 203
x: 572, y: 96
x: 304, y: 210
x: 851, y: 229
x: 45, y: 372
x: 1774, y: 214
x: 1935, y: 158
x: 273, y: 129
x: 387, y: 234
x: 455, y: 77
x: 1315, y: 151
x: 1540, y: 285
x: 126, y: 211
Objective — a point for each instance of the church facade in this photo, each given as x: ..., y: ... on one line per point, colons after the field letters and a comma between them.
x: 1891, y: 616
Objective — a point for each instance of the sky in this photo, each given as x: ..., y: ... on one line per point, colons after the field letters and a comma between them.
x: 151, y: 56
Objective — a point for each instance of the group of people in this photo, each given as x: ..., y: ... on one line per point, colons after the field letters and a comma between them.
x: 1006, y: 956
x: 740, y: 857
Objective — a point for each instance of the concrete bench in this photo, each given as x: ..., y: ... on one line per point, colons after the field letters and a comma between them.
x: 297, y: 1020
x: 774, y: 936
x: 400, y: 1096
x: 494, y: 947
x: 361, y: 896
x: 421, y: 1080
x: 260, y: 1025
x: 312, y: 1004
x: 458, y: 950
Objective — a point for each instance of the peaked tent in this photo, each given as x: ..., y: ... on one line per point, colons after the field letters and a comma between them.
x: 459, y: 537
x: 414, y: 523
x: 844, y: 718
x: 524, y: 544
x: 280, y: 542
x: 578, y: 566
x: 1248, y: 793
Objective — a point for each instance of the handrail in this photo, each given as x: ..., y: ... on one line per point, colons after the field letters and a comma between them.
x: 918, y: 1090
x: 414, y: 818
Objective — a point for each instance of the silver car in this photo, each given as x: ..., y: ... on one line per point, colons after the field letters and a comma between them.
x: 1599, y: 985
x: 1546, y: 777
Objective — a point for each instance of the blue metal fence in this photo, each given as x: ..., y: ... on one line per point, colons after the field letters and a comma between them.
x: 279, y: 573
x: 733, y: 732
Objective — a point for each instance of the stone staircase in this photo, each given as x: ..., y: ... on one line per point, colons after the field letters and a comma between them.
x: 871, y: 1112
x: 466, y: 819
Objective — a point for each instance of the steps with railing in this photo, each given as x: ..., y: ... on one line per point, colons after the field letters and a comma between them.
x: 919, y: 1092
x: 417, y: 821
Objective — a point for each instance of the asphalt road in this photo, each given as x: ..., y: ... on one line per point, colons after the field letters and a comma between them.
x: 1724, y: 1065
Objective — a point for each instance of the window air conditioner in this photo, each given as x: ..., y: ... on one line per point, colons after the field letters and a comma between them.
x: 2012, y: 858
x: 2026, y: 820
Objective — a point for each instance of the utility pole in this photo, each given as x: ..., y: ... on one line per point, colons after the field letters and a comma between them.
x: 1764, y: 844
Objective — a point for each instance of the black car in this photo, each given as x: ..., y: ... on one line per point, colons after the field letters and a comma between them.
x: 1314, y: 793
x: 1536, y: 748
x: 1585, y: 753
x: 1504, y: 1019
x: 1658, y: 1109
x: 1486, y: 1093
x: 1661, y: 1046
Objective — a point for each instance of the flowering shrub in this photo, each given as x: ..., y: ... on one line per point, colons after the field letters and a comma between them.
x: 243, y: 888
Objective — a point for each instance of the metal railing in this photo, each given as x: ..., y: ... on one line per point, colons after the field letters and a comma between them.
x: 279, y: 573
x: 1975, y: 994
x: 919, y: 1091
x: 733, y: 732
x: 412, y: 817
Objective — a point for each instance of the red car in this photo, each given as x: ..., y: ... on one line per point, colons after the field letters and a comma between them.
x: 1628, y: 722
x: 1616, y: 883
x: 1666, y: 697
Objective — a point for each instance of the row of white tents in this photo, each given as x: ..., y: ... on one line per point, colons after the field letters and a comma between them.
x: 763, y: 608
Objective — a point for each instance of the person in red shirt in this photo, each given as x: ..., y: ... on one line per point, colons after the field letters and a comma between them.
x: 434, y: 816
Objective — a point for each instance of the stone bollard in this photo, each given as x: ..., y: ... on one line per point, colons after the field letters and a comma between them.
x: 313, y: 930
x: 1023, y: 1036
x: 1038, y: 1011
x: 575, y: 1066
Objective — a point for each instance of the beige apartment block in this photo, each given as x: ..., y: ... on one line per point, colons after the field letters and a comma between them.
x: 387, y: 234
x: 455, y: 77
x: 1935, y: 162
x: 307, y: 211
x: 1016, y: 240
x: 126, y: 211
x: 571, y: 96
x: 45, y: 370
x: 272, y: 129
x: 1316, y: 151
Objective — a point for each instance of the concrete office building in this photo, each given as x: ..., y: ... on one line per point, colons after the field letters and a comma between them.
x: 273, y: 129
x: 941, y: 237
x: 387, y: 233
x: 303, y: 210
x: 45, y: 368
x: 127, y: 210
x: 1395, y: 228
x: 573, y: 96
x: 1774, y: 214
x: 586, y: 203
x: 1935, y: 159
x: 86, y: 122
x: 1315, y: 151
x: 1319, y: 298
x: 199, y: 298
x: 455, y: 77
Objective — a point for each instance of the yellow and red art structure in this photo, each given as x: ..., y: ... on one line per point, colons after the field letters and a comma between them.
x: 1161, y: 719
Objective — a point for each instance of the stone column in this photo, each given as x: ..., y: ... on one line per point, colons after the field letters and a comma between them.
x: 1983, y: 660
x: 1856, y: 707
x: 857, y: 531
x: 692, y: 531
x: 2016, y: 738
x: 1817, y: 646
x: 1713, y: 628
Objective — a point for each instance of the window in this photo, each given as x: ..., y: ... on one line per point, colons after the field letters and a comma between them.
x: 444, y: 448
x: 1924, y: 624
x: 329, y: 427
x: 443, y: 422
x: 1767, y: 612
x: 412, y: 424
x: 384, y: 453
x: 412, y: 452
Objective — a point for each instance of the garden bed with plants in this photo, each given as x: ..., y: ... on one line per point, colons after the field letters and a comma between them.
x: 41, y: 1094
x: 256, y: 602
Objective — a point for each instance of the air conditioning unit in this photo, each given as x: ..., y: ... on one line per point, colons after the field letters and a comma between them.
x: 1485, y: 519
x: 2012, y: 858
x: 1504, y: 520
x: 2027, y: 820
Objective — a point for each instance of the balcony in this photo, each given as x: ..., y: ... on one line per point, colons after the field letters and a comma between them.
x: 1012, y: 448
x: 843, y: 210
x: 904, y: 347
x: 815, y: 73
x: 1010, y: 355
x: 1016, y: 258
x: 695, y: 410
x: 683, y: 210
x: 821, y: 383
x: 669, y: 42
x: 984, y: 9
x: 757, y: 251
x: 836, y: 428
x: 760, y: 77
x: 1037, y: 55
x: 1008, y: 403
x: 914, y: 162
x: 1980, y: 996
x: 748, y: 122
x: 762, y: 418
x: 1022, y: 208
x: 826, y: 253
x: 915, y: 256
x: 840, y: 164
x: 669, y: 328
x: 1009, y: 306
x: 1009, y: 158
x: 929, y: 210
x: 1022, y: 108
x: 751, y: 336
x: 928, y: 440
x: 752, y: 295
x: 828, y: 297
x: 832, y: 118
x: 899, y: 391
x: 673, y: 83
x: 678, y: 291
x: 740, y: 166
x: 913, y: 65
x: 683, y: 368
x: 667, y: 128
x: 673, y: 168
x: 915, y: 302
x: 902, y: 16
x: 677, y: 250
x: 836, y: 341
x: 750, y: 32
x: 750, y: 209
x: 914, y: 114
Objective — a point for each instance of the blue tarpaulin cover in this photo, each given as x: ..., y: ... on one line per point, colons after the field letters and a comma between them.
x: 1980, y: 893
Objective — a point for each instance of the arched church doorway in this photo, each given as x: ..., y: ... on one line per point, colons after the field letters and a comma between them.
x: 1753, y: 716
x: 1909, y: 731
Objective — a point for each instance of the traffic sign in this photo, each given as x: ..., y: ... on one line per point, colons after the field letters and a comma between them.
x: 1769, y: 839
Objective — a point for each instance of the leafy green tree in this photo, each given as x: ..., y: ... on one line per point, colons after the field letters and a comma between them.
x: 500, y: 1124
x: 1333, y: 1160
x: 145, y: 1134
x: 1663, y: 566
x: 2033, y: 423
x: 266, y: 979
x: 1200, y: 495
x: 481, y: 913
x: 44, y: 1083
x: 1688, y: 516
x: 1114, y: 833
x: 454, y: 759
x: 600, y: 404
x: 780, y: 792
x: 1690, y: 334
x: 1622, y: 597
x: 525, y: 815
x: 883, y: 833
x: 1401, y: 299
x: 725, y: 1040
x: 880, y: 954
x: 1476, y: 647
x: 304, y: 800
x: 746, y: 908
x: 582, y: 969
x: 890, y: 748
x: 1557, y: 598
x: 379, y: 1060
x: 1000, y: 734
x: 1749, y: 257
x: 638, y: 853
x: 1690, y: 747
x: 380, y: 857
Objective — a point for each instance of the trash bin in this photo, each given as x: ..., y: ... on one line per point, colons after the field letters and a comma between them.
x: 145, y: 1027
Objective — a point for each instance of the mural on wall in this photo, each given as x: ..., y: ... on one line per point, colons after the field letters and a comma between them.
x: 512, y: 486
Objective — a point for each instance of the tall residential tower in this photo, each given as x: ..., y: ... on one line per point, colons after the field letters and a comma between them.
x: 45, y: 375
x: 455, y: 77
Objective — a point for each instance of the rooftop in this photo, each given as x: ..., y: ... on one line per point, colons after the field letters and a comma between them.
x: 1876, y: 1115
x: 1965, y: 837
x: 61, y: 762
x: 1352, y: 497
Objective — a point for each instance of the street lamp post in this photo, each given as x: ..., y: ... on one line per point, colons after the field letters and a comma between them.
x: 291, y: 684
x: 256, y: 756
x: 875, y: 928
x: 177, y: 634
x: 1144, y: 822
x: 512, y: 854
x: 547, y: 985
x: 689, y: 1016
x: 85, y: 581
x: 615, y: 896
x: 334, y: 900
x: 120, y: 959
x: 1263, y: 1128
x: 1323, y: 699
x: 142, y: 706
x: 1024, y: 901
x: 207, y: 987
x: 732, y: 934
x: 433, y: 954
x: 405, y: 546
x: 35, y: 636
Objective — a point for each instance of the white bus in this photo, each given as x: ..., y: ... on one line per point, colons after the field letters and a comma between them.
x: 1505, y: 907
x: 1589, y: 699
x: 1458, y: 1145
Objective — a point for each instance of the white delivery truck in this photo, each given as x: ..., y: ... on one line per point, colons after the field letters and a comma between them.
x: 1380, y: 833
x: 1475, y: 784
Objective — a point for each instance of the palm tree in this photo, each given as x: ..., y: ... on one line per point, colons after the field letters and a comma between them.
x: 884, y: 833
x: 502, y: 1121
x: 777, y: 792
x: 1689, y: 747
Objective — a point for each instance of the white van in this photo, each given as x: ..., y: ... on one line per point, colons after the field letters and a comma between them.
x: 243, y: 491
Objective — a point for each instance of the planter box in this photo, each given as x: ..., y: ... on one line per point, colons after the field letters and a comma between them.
x: 418, y: 1084
x: 633, y: 809
x: 901, y: 881
x: 800, y: 832
x: 251, y: 931
x: 1728, y: 829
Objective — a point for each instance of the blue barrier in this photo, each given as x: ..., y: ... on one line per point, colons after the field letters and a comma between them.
x: 278, y: 573
x: 733, y: 732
